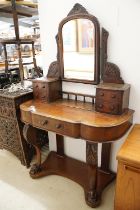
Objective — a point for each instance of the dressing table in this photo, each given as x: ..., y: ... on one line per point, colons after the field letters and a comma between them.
x: 102, y: 118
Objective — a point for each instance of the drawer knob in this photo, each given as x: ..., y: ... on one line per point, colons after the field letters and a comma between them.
x: 36, y: 86
x: 113, y: 96
x: 58, y: 126
x: 101, y: 94
x: 43, y: 86
x: 45, y: 122
x: 112, y: 107
x: 43, y: 97
x: 100, y: 105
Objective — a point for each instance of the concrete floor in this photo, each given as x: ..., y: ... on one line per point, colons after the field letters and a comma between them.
x: 19, y: 192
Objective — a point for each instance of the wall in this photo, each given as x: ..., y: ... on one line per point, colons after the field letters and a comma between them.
x: 121, y: 19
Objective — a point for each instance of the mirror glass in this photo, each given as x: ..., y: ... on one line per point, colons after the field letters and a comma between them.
x: 79, y: 49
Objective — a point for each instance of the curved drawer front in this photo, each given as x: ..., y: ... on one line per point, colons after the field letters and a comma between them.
x: 58, y: 126
x: 104, y: 134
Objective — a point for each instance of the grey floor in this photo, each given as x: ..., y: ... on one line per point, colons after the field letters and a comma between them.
x: 18, y: 191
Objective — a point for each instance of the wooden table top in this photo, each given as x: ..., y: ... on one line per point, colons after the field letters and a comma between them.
x: 75, y: 112
x: 130, y: 150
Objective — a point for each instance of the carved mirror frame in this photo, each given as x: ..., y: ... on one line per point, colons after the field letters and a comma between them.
x: 79, y: 12
x: 105, y: 71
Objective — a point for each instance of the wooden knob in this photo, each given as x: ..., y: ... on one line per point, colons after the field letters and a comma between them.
x: 112, y: 107
x: 100, y: 105
x: 101, y: 94
x: 45, y: 122
x: 113, y: 96
x: 58, y: 126
x: 43, y: 97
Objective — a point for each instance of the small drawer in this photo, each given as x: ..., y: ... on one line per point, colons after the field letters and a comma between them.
x: 47, y: 89
x: 106, y: 107
x: 40, y: 91
x: 43, y: 97
x: 108, y: 95
x: 58, y: 126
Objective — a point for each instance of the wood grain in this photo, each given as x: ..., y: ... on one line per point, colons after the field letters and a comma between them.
x: 130, y: 151
x: 127, y: 188
x: 76, y: 122
x: 127, y: 194
x: 60, y: 110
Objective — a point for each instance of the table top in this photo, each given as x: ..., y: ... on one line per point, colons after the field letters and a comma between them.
x: 130, y: 150
x: 75, y: 112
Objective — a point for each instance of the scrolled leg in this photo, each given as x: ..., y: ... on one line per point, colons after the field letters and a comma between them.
x: 30, y: 136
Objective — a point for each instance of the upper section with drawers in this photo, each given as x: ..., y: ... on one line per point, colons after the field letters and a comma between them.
x: 82, y: 58
x: 96, y: 118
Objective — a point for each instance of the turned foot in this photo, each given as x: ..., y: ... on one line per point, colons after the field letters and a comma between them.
x: 35, y: 169
x: 92, y: 198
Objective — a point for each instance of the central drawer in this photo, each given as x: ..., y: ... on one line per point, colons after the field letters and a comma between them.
x: 58, y: 126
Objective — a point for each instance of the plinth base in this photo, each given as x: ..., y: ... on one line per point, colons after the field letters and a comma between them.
x: 76, y: 171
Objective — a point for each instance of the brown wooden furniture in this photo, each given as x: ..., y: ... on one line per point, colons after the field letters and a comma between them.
x: 78, y: 120
x: 127, y: 194
x: 74, y: 118
x: 112, y: 98
x: 11, y: 137
x: 47, y: 89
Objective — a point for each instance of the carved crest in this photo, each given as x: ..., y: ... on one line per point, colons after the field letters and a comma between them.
x: 53, y: 69
x: 112, y: 74
x: 77, y: 9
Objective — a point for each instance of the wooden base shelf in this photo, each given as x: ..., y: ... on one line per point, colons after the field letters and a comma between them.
x: 75, y: 170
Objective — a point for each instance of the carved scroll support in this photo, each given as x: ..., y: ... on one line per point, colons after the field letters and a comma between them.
x: 92, y: 197
x: 103, y: 56
x: 30, y: 136
x: 54, y: 68
x: 110, y: 72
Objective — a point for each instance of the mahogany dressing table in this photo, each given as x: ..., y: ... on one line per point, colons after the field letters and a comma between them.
x: 104, y: 119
